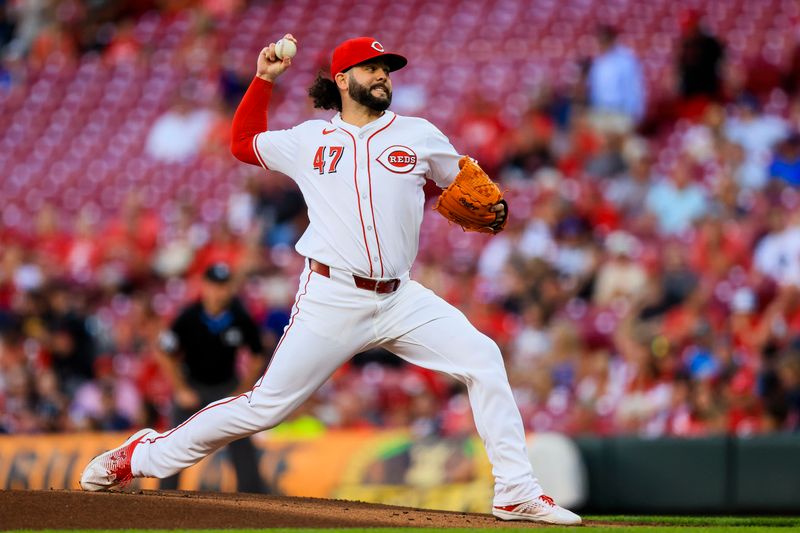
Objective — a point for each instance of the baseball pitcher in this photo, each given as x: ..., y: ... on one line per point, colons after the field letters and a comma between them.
x: 362, y: 173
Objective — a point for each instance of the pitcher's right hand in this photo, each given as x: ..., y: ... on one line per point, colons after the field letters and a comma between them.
x: 269, y: 66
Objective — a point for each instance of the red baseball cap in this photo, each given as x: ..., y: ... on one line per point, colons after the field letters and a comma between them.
x: 354, y: 51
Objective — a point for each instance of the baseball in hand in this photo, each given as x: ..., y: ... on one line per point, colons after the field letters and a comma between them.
x: 285, y: 48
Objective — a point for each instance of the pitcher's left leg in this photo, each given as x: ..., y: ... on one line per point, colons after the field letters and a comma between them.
x: 427, y: 331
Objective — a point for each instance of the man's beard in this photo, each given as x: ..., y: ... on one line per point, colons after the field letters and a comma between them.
x: 363, y: 95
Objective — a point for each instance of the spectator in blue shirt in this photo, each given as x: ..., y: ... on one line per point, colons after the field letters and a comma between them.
x: 615, y: 83
x: 676, y: 202
x: 785, y: 165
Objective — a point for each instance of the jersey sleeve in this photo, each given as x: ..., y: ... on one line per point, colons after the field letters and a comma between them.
x: 276, y: 150
x: 250, y: 118
x: 442, y: 158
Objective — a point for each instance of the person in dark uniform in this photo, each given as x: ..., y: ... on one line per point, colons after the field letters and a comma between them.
x: 200, y: 349
x: 700, y: 64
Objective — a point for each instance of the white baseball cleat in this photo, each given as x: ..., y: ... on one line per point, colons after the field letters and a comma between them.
x: 113, y: 467
x: 542, y: 509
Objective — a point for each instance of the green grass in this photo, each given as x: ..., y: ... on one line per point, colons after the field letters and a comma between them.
x: 610, y: 524
x: 703, y: 521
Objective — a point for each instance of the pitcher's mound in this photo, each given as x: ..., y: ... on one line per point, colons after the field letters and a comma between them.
x: 65, y: 509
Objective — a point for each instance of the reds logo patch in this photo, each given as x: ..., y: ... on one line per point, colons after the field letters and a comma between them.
x: 398, y: 159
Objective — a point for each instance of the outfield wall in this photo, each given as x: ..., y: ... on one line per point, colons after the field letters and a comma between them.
x: 704, y: 475
x: 713, y: 475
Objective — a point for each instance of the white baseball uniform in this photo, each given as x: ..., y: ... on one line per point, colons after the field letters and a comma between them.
x: 363, y: 187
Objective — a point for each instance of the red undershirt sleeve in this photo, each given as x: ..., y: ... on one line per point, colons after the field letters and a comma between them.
x: 249, y: 120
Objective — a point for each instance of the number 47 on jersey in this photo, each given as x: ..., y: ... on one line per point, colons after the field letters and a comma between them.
x: 334, y: 155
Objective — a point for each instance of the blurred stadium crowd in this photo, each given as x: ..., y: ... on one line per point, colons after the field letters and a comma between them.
x: 648, y: 281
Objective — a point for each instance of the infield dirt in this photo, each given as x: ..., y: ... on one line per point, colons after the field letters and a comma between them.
x: 66, y: 509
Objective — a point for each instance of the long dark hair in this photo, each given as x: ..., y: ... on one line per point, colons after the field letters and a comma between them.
x: 325, y: 93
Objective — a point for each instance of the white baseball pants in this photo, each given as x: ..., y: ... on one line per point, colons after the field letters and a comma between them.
x: 331, y: 321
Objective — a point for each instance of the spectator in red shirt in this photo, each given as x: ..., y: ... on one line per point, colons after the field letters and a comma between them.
x: 482, y: 133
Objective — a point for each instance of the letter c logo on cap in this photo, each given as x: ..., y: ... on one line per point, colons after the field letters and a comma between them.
x: 378, y: 46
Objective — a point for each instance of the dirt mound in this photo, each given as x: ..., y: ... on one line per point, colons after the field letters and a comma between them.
x: 66, y: 509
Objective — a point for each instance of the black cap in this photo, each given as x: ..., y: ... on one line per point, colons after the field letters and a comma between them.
x: 218, y: 273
